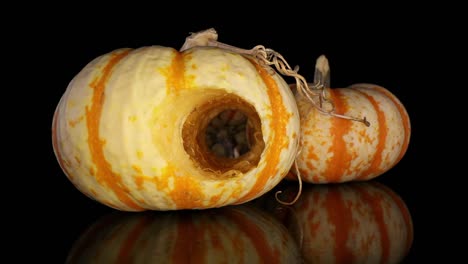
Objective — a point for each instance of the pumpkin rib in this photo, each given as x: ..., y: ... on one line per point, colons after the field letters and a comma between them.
x: 340, y: 216
x: 375, y: 202
x: 104, y: 172
x: 404, y: 213
x: 129, y: 245
x: 403, y: 115
x: 256, y: 235
x: 376, y: 163
x: 339, y: 128
x: 402, y: 110
x: 57, y: 146
x: 278, y: 141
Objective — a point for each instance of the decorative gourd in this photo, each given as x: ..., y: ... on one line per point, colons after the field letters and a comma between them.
x: 357, y: 222
x: 234, y: 234
x: 130, y: 129
x: 336, y: 149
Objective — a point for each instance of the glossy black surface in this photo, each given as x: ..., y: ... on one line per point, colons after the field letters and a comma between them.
x: 357, y: 52
x: 345, y: 223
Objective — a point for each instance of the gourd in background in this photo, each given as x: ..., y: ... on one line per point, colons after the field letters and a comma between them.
x: 336, y: 145
x: 130, y: 129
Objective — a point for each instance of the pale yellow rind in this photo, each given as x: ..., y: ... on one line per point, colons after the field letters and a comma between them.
x: 143, y: 111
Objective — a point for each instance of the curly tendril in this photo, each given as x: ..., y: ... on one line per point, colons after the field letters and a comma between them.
x: 315, y: 92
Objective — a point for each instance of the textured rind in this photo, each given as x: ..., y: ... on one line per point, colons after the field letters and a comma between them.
x: 338, y: 150
x: 117, y: 128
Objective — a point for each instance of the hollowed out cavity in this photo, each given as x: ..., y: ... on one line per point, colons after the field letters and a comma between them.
x: 223, y: 135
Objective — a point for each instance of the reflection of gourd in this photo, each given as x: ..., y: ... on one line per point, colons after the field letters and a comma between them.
x: 348, y: 223
x: 339, y: 150
x: 129, y: 130
x: 235, y: 234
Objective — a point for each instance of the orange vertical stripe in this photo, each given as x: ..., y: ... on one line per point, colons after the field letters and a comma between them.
x: 256, y: 235
x: 405, y: 120
x: 128, y: 251
x: 405, y: 214
x: 339, y: 163
x: 374, y: 167
x: 189, y: 244
x: 183, y: 241
x: 175, y: 74
x: 104, y: 173
x: 376, y: 203
x: 278, y: 140
x: 340, y: 216
x: 187, y: 192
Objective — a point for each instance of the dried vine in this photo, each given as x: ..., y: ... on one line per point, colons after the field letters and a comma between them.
x: 315, y: 93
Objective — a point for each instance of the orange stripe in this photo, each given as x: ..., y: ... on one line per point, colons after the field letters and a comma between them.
x: 278, y: 139
x: 339, y: 163
x: 215, y: 231
x: 404, y: 117
x: 128, y: 251
x: 256, y: 235
x: 187, y: 193
x: 374, y: 167
x: 189, y: 244
x: 340, y: 216
x: 175, y: 74
x: 405, y: 214
x: 308, y: 206
x: 183, y: 241
x: 104, y: 173
x: 375, y: 201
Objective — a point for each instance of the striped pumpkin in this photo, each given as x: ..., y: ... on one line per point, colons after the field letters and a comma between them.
x: 339, y: 150
x: 236, y: 234
x: 129, y: 131
x: 359, y: 222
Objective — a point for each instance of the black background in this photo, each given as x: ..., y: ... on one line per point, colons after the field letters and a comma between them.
x: 390, y: 46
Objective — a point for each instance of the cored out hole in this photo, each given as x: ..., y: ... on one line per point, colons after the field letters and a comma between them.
x: 227, y: 134
x: 224, y: 134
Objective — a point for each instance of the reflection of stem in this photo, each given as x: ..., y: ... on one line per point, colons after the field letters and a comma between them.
x: 300, y: 232
x: 298, y: 175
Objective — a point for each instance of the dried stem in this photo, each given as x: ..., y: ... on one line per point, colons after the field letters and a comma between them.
x: 315, y: 92
x: 322, y: 78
